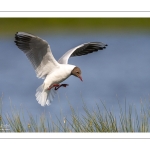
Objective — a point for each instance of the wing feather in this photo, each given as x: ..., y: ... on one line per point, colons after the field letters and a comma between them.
x: 38, y: 52
x: 80, y: 50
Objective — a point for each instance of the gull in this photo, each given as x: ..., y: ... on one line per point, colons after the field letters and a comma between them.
x: 47, y: 67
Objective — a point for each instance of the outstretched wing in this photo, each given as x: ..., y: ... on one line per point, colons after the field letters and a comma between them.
x: 38, y: 52
x: 83, y: 49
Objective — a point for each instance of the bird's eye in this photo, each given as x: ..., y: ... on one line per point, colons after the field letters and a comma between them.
x: 77, y: 72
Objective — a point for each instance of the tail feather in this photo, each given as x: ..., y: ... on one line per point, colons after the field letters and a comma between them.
x: 44, y: 97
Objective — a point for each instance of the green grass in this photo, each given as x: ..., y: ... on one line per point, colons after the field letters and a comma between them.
x: 97, y: 120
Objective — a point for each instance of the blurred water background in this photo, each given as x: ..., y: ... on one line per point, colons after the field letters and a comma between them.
x: 120, y: 73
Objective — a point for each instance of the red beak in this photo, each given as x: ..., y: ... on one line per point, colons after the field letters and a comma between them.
x: 80, y: 78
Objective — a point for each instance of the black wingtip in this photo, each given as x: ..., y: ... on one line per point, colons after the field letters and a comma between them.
x: 22, y: 40
x: 16, y: 34
x: 105, y: 45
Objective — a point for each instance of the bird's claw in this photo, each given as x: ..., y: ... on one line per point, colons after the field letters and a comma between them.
x: 64, y: 85
x: 57, y: 86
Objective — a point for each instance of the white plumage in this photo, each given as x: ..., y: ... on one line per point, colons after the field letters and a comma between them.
x: 54, y: 72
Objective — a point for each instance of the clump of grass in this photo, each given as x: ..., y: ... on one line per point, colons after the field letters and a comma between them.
x: 97, y: 120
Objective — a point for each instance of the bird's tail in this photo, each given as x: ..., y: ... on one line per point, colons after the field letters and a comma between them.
x: 44, y: 96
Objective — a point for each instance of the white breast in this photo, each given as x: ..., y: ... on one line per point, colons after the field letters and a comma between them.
x: 60, y: 74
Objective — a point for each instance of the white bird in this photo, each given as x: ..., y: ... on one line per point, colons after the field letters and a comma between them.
x: 54, y: 72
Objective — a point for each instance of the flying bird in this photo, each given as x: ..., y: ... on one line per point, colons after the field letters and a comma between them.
x: 53, y: 72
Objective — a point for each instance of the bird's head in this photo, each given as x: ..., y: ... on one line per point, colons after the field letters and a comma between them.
x: 77, y: 72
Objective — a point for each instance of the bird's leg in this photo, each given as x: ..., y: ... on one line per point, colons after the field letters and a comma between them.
x: 54, y: 85
x: 57, y: 87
